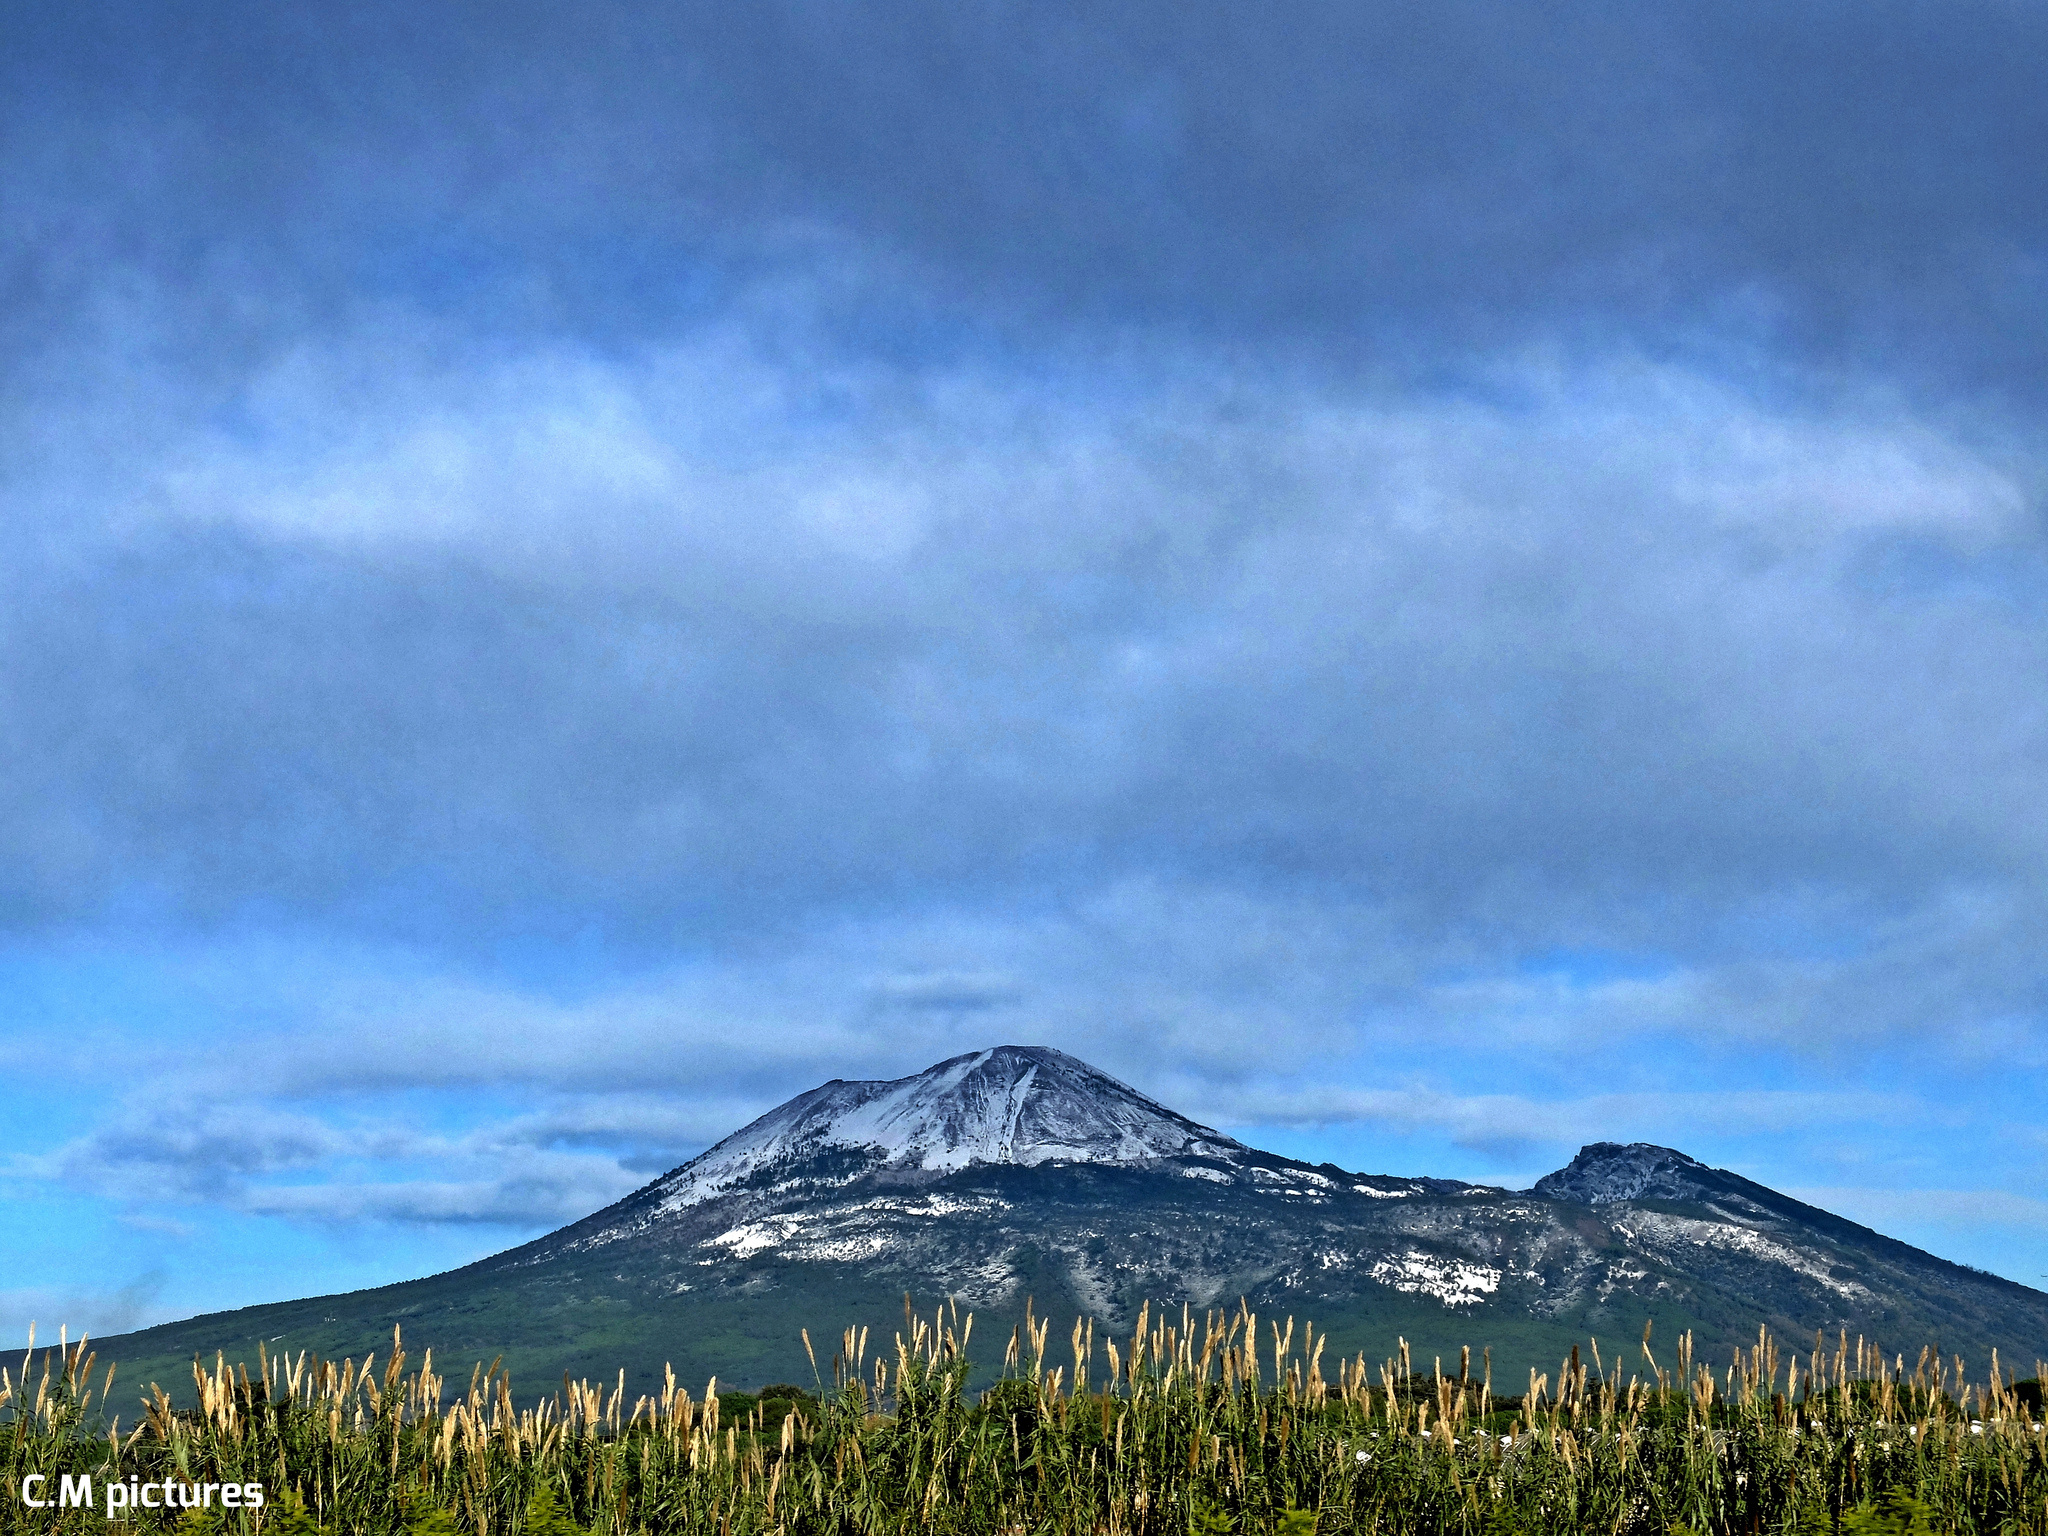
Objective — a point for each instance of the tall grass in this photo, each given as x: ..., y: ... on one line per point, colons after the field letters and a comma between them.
x: 1191, y: 1426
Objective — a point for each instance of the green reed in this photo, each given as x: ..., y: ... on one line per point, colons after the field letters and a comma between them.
x: 1194, y: 1426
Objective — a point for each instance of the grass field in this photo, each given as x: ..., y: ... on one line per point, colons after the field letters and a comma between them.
x: 1199, y: 1426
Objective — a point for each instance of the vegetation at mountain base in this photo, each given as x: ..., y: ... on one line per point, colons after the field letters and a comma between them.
x: 539, y: 1322
x: 1189, y: 1426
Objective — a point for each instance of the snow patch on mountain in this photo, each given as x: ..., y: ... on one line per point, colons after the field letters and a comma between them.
x: 1454, y: 1282
x: 1025, y: 1105
x: 841, y: 1233
x: 1659, y: 1232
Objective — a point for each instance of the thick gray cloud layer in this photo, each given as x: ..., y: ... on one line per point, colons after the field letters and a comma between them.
x: 1376, y: 180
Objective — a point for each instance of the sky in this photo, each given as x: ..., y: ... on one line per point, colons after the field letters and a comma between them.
x: 1426, y: 584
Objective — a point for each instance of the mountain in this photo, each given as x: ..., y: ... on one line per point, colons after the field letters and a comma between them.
x: 1016, y: 1104
x: 1021, y: 1171
x: 801, y: 1176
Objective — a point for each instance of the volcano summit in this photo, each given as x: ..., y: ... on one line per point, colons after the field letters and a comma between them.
x: 1021, y: 1171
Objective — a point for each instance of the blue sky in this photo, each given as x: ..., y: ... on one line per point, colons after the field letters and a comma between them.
x: 1427, y: 585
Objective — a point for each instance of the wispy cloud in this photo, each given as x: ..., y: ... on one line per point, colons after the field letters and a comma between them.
x: 533, y: 1172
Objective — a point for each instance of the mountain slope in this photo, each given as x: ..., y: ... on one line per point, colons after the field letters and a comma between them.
x: 1023, y: 1172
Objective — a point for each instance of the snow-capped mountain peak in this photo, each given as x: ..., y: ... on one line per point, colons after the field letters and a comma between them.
x: 1024, y: 1104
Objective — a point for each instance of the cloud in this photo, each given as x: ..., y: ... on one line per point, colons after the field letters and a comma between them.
x: 1349, y: 182
x: 946, y: 992
x: 82, y: 1312
x: 1517, y: 1126
x: 547, y: 1199
x: 1263, y: 553
x: 1633, y: 633
x: 530, y: 1173
x: 194, y: 1152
